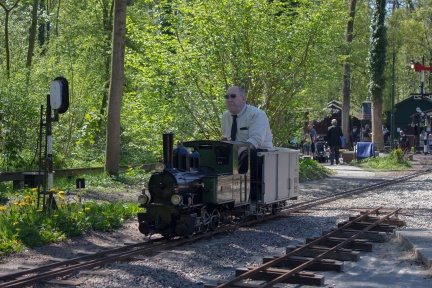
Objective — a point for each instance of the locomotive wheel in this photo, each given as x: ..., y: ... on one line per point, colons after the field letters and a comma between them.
x: 214, y: 222
x: 204, y: 228
x: 205, y: 221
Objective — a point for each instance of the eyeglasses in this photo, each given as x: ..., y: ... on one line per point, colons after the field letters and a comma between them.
x: 230, y: 95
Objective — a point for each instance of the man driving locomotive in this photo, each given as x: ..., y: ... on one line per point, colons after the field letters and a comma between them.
x: 246, y: 123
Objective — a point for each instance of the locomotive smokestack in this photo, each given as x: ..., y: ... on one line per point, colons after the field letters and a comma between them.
x: 168, y: 145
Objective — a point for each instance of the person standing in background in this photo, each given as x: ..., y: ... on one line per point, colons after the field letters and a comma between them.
x: 367, y: 134
x: 403, y: 141
x: 306, y: 144
x: 334, y: 142
x: 354, y: 136
x: 313, y: 137
x: 423, y: 141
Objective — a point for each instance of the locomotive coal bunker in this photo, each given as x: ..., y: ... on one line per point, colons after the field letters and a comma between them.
x: 199, y: 184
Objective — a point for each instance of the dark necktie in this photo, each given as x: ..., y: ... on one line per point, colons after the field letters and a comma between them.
x: 234, y: 128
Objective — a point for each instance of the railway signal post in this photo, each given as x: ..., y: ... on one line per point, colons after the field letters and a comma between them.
x: 421, y: 93
x: 57, y: 100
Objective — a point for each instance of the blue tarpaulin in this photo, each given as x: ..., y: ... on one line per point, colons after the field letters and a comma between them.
x: 365, y: 150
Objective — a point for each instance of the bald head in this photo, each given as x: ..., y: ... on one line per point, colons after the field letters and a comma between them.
x: 235, y: 99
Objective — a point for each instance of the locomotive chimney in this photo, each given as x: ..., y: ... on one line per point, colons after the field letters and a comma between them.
x: 168, y: 145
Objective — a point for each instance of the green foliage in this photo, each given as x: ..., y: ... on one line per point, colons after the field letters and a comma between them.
x: 24, y: 225
x: 311, y: 170
x: 395, y: 160
x: 203, y: 54
x: 180, y: 57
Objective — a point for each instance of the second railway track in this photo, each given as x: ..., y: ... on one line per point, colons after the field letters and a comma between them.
x: 51, y: 271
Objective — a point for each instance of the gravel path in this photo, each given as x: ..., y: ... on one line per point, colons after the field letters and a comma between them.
x: 390, y: 265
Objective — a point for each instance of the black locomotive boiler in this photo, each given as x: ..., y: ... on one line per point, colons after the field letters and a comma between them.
x: 199, y: 184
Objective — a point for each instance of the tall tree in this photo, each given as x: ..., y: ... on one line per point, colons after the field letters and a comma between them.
x: 32, y: 35
x: 377, y: 57
x: 6, y: 31
x: 347, y: 74
x: 112, y: 155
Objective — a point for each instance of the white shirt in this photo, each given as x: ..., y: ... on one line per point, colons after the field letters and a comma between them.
x: 252, y: 126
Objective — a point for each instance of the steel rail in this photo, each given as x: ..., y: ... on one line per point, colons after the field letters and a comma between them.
x: 119, y: 254
x: 281, y: 259
x: 322, y: 255
x: 97, y: 259
x: 356, y: 191
x: 104, y: 257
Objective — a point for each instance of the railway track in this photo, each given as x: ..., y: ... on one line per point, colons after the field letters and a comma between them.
x: 327, y: 249
x: 66, y: 267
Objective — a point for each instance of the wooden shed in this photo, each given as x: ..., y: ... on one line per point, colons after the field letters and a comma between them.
x: 406, y: 117
x: 334, y: 111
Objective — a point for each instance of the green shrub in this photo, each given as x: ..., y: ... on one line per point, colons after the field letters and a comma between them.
x: 25, y: 225
x: 311, y: 170
x: 395, y: 160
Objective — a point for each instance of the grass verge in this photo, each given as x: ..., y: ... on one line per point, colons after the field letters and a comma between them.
x: 25, y: 225
x: 396, y: 160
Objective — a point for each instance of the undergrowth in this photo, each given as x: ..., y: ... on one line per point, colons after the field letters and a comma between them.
x: 395, y: 160
x: 311, y: 170
x: 23, y: 222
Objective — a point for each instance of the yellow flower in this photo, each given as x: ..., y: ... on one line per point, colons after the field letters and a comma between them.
x: 22, y: 204
x: 15, y: 223
x: 52, y: 190
x: 55, y: 215
x: 87, y: 209
x: 27, y: 198
x: 2, y: 208
x: 16, y: 203
x: 79, y: 212
x: 18, y: 229
x: 61, y: 197
x: 61, y: 192
x: 34, y: 189
x: 39, y: 210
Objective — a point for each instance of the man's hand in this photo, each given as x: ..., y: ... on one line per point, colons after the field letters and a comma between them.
x: 224, y: 138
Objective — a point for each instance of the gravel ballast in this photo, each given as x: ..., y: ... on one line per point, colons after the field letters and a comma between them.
x: 209, y: 261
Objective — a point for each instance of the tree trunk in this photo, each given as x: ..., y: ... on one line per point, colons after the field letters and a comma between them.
x: 347, y: 76
x: 32, y: 35
x: 6, y: 31
x: 107, y: 15
x: 112, y: 155
x: 377, y: 55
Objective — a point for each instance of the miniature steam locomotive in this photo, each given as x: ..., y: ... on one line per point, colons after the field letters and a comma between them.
x: 199, y: 184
